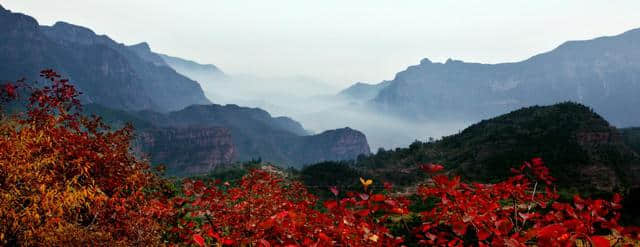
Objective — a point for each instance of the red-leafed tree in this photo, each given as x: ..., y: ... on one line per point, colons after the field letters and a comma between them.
x: 66, y: 179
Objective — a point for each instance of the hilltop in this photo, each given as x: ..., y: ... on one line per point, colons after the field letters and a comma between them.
x: 580, y: 147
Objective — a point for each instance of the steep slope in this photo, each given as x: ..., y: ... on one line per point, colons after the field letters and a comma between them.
x: 582, y: 150
x: 107, y: 72
x: 602, y: 73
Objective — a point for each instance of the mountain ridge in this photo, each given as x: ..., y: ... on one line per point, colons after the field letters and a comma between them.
x: 603, y: 73
x: 107, y: 72
x: 581, y: 149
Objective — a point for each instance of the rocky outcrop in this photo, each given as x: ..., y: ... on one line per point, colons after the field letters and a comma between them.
x: 339, y: 144
x: 106, y: 72
x: 187, y: 150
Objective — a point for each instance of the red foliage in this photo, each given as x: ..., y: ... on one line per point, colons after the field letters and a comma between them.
x: 67, y: 179
x: 516, y: 212
x: 264, y: 210
x: 53, y: 154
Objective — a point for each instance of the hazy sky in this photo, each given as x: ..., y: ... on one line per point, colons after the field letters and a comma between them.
x: 341, y: 41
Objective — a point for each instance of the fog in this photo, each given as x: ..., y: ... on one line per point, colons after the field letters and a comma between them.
x: 318, y: 107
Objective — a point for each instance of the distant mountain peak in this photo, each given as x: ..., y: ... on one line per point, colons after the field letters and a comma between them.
x: 142, y: 46
x: 425, y: 61
x: 601, y: 73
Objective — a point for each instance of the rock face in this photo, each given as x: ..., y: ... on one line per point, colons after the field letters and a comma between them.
x: 339, y: 144
x: 107, y: 72
x: 602, y: 73
x: 187, y: 150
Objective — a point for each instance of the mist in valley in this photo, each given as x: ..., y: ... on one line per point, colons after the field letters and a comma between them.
x: 318, y: 106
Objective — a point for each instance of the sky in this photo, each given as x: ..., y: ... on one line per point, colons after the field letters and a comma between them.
x: 341, y: 41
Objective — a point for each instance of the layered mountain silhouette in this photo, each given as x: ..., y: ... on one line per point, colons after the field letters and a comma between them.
x: 602, y: 73
x: 176, y: 124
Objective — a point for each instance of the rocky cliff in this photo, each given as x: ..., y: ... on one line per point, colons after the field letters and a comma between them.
x: 338, y: 144
x: 187, y: 150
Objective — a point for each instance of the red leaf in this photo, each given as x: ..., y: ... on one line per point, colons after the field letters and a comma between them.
x: 617, y: 198
x: 459, y: 228
x: 264, y: 243
x: 198, y: 239
x: 227, y: 241
x: 504, y: 226
x: 378, y: 198
x: 483, y: 235
x: 431, y: 168
x: 364, y: 212
x: 330, y: 204
x: 334, y: 190
x: 324, y: 237
x: 599, y: 241
x: 537, y: 161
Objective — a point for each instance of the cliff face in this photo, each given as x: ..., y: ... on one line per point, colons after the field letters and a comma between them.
x: 107, y: 72
x: 187, y: 150
x: 339, y: 144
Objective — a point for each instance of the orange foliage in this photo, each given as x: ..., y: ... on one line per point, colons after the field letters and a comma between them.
x: 66, y: 179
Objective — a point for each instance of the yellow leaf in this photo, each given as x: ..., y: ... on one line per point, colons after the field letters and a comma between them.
x: 366, y: 183
x: 374, y: 238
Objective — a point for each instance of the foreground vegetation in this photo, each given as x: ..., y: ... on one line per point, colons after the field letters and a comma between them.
x: 68, y: 179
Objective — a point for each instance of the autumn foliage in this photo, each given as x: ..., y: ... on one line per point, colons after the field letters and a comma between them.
x: 68, y: 179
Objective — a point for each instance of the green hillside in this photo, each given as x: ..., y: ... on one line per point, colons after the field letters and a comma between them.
x: 583, y: 151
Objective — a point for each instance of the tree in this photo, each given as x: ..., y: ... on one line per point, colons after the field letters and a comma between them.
x: 67, y: 179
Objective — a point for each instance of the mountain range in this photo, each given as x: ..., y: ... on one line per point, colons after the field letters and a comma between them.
x: 603, y: 73
x: 177, y: 125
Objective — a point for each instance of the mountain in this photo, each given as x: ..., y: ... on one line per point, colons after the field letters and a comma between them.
x: 201, y: 138
x: 603, y: 73
x: 363, y: 91
x: 581, y: 149
x: 191, y: 68
x: 108, y: 73
x: 258, y: 135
